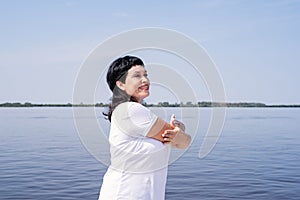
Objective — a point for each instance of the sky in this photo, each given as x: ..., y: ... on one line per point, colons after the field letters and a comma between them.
x: 254, y: 44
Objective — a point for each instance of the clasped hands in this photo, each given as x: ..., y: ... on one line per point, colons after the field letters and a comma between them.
x: 176, y: 136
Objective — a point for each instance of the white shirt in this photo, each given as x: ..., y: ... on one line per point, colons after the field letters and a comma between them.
x: 138, y: 169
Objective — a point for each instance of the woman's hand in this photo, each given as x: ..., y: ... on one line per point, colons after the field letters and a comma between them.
x: 175, y: 123
x: 176, y: 136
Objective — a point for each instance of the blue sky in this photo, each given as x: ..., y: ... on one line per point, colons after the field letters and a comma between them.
x: 255, y: 44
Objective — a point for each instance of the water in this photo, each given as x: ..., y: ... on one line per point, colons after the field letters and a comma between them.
x: 256, y: 157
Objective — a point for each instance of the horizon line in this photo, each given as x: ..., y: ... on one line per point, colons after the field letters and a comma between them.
x: 159, y: 104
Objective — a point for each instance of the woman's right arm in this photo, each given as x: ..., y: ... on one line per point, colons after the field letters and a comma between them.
x: 173, y: 133
x: 158, y: 129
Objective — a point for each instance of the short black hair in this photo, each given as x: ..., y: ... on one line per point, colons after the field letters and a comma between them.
x: 117, y: 71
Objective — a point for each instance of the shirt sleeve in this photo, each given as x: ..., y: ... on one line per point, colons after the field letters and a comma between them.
x: 134, y: 119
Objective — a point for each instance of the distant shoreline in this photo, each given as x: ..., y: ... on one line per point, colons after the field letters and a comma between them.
x: 160, y: 104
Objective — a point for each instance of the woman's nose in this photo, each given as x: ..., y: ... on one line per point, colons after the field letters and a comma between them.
x: 145, y: 79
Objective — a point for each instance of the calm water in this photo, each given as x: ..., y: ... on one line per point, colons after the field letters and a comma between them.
x: 256, y: 157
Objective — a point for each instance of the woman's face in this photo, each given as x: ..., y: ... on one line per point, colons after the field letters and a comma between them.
x: 136, y: 83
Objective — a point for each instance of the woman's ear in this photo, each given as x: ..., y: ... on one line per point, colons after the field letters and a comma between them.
x: 120, y: 85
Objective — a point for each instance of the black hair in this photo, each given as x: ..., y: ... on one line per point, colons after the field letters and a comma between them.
x: 117, y: 71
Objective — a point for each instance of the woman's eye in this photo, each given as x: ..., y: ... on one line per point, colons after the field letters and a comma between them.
x: 140, y: 75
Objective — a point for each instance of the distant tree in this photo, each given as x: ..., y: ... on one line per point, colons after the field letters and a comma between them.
x: 27, y: 104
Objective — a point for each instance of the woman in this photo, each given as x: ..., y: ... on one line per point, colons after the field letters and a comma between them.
x: 139, y: 140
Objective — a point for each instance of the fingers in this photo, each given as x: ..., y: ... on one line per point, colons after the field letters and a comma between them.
x: 173, y: 116
x: 179, y: 124
x: 169, y: 135
x: 176, y: 122
x: 168, y: 139
x: 173, y: 131
x: 172, y: 120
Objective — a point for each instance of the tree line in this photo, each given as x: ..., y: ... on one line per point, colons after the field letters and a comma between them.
x: 160, y: 104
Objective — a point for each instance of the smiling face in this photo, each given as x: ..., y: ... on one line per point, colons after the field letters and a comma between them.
x: 136, y: 83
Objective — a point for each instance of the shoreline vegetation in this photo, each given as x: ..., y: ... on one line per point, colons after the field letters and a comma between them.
x: 161, y: 104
